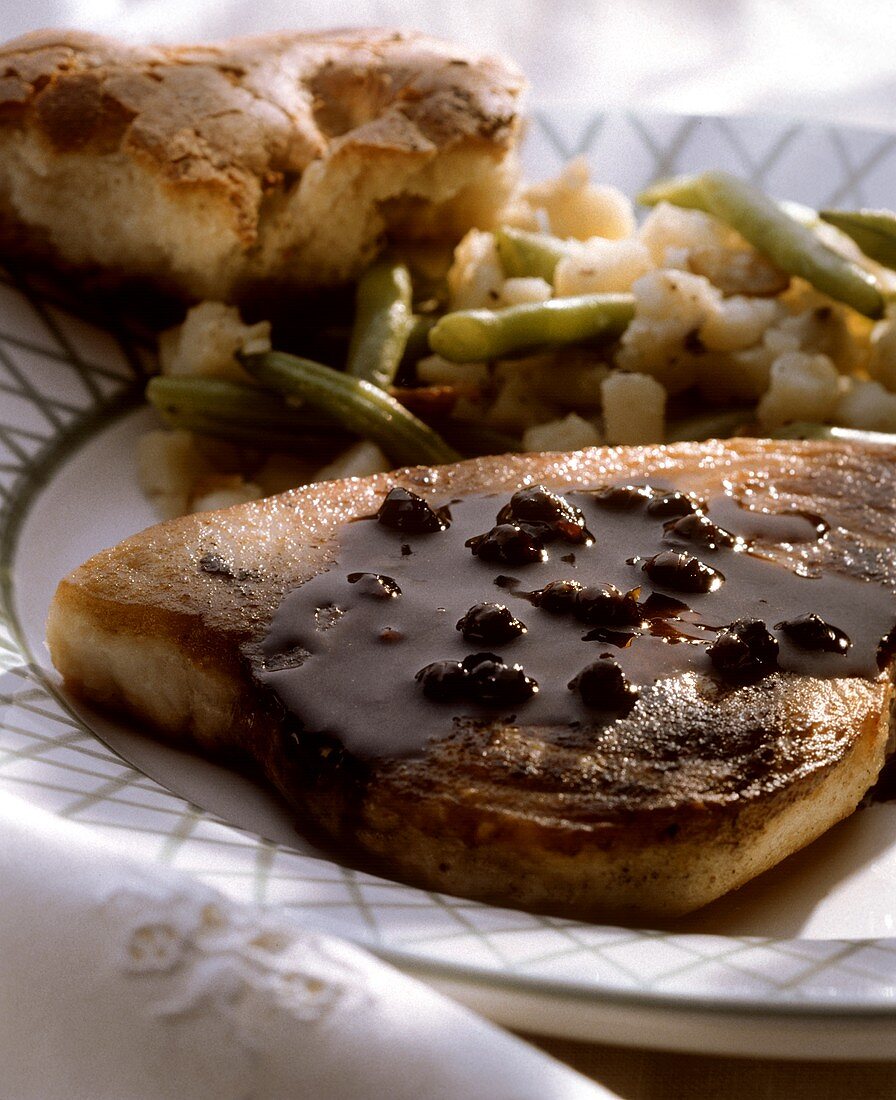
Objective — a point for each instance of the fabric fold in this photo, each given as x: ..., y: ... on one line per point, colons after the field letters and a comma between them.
x: 121, y: 980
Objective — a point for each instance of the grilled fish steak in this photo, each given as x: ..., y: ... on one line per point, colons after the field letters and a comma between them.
x: 702, y: 774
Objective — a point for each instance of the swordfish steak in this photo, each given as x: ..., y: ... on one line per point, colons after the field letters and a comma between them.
x: 619, y: 682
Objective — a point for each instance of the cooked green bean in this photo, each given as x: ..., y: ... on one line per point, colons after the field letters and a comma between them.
x: 417, y: 346
x: 359, y: 406
x: 874, y: 231
x: 177, y: 395
x: 238, y: 412
x: 773, y: 232
x: 806, y: 430
x: 523, y: 253
x: 473, y: 335
x: 382, y: 322
x: 715, y: 425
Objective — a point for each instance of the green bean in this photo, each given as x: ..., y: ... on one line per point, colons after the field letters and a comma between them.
x: 715, y: 425
x: 874, y: 231
x: 359, y: 406
x: 382, y: 323
x: 238, y: 412
x: 799, y: 429
x: 773, y: 232
x: 417, y: 346
x: 523, y: 253
x: 470, y: 336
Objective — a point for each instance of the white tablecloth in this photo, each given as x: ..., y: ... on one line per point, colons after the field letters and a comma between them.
x: 820, y: 58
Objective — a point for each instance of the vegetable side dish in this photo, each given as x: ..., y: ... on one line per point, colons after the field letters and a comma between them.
x: 569, y: 325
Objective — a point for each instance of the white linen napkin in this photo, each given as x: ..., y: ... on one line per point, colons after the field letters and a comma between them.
x: 121, y: 980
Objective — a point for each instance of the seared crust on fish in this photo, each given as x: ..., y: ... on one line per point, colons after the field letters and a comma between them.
x: 700, y: 788
x: 279, y: 159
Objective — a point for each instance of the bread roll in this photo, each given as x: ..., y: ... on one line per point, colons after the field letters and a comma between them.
x: 284, y: 159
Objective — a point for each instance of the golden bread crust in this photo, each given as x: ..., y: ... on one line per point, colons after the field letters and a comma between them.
x: 229, y: 132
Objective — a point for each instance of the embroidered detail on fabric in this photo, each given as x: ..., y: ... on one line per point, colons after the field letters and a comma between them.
x: 230, y: 961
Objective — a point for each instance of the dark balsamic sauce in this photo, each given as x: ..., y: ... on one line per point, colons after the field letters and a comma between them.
x: 356, y: 679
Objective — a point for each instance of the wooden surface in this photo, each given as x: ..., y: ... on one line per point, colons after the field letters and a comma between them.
x: 659, y: 1075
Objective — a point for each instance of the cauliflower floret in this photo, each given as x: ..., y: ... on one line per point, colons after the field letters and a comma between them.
x: 520, y: 214
x: 223, y: 491
x: 571, y: 433
x: 523, y: 290
x: 670, y: 307
x: 735, y: 323
x: 822, y: 325
x: 745, y: 374
x: 634, y: 408
x: 360, y: 460
x: 780, y: 339
x: 670, y: 229
x: 475, y: 277
x: 690, y: 240
x: 207, y: 342
x: 867, y: 406
x: 168, y: 465
x: 577, y: 208
x: 436, y: 371
x: 739, y: 270
x: 601, y: 266
x: 801, y: 387
x: 882, y: 360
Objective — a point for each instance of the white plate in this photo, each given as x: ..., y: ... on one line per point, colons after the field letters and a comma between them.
x: 799, y: 963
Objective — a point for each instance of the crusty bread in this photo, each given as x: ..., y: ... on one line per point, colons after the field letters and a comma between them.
x: 278, y: 159
x: 697, y: 790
